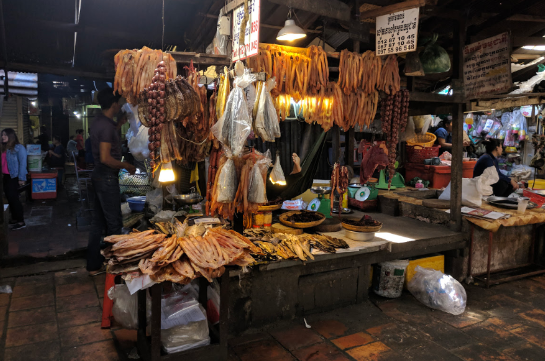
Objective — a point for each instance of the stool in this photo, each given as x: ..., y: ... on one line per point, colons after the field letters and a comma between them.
x: 106, y: 302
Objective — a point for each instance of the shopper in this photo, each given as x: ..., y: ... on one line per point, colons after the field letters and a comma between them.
x: 89, y: 161
x: 14, y: 172
x: 71, y: 146
x: 43, y: 139
x: 444, y: 134
x: 106, y: 148
x: 79, y: 140
x: 57, y: 155
x: 505, y: 185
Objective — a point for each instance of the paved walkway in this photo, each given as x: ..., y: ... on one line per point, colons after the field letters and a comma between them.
x: 56, y: 316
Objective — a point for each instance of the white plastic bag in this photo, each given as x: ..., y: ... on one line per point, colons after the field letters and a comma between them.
x: 154, y: 199
x: 257, y: 189
x: 233, y: 128
x: 227, y: 182
x: 125, y: 308
x: 473, y: 189
x: 138, y: 144
x: 438, y: 290
x: 185, y: 337
x: 409, y: 130
x: 132, y: 117
x: 277, y: 174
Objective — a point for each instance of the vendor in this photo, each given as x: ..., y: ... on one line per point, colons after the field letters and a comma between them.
x: 505, y: 185
x: 444, y: 135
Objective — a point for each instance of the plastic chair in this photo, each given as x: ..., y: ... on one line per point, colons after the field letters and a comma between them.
x: 83, y: 177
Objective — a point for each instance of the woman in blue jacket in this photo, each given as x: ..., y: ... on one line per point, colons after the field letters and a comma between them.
x: 14, y: 174
x: 505, y: 185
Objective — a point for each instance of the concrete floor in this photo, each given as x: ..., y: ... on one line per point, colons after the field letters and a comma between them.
x: 51, y: 226
x: 56, y: 316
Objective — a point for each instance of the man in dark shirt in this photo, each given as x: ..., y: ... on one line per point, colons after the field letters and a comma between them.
x: 43, y: 139
x: 106, y: 148
x: 57, y: 156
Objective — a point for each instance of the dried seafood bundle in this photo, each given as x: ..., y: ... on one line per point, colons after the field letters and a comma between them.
x: 134, y: 70
x: 132, y: 247
x: 389, y: 80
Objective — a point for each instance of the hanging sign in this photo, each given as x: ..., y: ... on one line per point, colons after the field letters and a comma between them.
x: 251, y: 39
x: 397, y: 32
x: 487, y: 66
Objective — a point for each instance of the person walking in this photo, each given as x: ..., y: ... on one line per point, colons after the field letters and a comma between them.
x: 14, y: 172
x: 106, y: 148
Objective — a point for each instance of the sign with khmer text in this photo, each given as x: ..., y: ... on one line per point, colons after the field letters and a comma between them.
x: 487, y: 66
x: 251, y: 39
x: 397, y: 32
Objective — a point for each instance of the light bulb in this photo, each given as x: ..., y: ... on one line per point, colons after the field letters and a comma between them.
x: 166, y: 174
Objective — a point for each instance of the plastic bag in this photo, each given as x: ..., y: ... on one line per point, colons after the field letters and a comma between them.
x: 138, y: 144
x: 522, y: 172
x: 438, y: 290
x: 434, y: 58
x: 251, y: 96
x: 125, y: 308
x: 388, y: 278
x: 473, y: 189
x: 235, y: 124
x: 154, y: 198
x: 277, y: 174
x: 5, y: 289
x: 256, y: 191
x: 409, y: 130
x: 266, y: 122
x: 132, y: 117
x: 227, y: 182
x: 185, y: 337
x: 496, y: 126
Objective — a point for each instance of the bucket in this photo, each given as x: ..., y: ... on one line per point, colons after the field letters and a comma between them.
x: 388, y: 278
x: 34, y: 163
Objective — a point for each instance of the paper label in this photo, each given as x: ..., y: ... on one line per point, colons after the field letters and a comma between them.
x: 251, y: 39
x: 397, y: 32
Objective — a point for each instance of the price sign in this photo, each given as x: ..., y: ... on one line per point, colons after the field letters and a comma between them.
x: 251, y: 38
x: 397, y: 32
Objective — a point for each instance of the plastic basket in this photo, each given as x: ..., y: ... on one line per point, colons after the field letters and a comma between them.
x: 423, y: 140
x: 134, y: 185
x: 417, y: 153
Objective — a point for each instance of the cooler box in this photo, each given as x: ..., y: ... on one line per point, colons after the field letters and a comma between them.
x: 34, y: 149
x: 44, y: 184
x: 438, y: 175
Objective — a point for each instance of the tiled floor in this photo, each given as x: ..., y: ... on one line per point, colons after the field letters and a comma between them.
x: 55, y: 217
x: 56, y: 316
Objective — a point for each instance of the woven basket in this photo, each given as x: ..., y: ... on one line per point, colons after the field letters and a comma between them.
x: 351, y: 227
x: 423, y: 140
x: 417, y: 153
x: 283, y: 219
x: 270, y: 208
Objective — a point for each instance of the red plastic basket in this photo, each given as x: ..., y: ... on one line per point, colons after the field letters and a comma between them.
x: 417, y: 154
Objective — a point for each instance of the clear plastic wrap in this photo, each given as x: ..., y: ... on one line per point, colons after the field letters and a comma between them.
x: 185, y: 337
x: 125, y: 308
x: 235, y: 124
x: 266, y: 121
x: 496, y: 127
x: 227, y: 182
x: 277, y: 174
x: 256, y: 191
x: 438, y: 290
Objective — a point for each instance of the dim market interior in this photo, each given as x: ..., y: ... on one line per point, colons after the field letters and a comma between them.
x: 240, y: 180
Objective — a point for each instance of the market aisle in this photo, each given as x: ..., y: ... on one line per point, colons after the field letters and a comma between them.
x: 51, y: 226
x: 56, y: 316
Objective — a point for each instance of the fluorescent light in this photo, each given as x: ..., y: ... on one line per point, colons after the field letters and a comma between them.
x: 166, y: 174
x: 534, y: 47
x: 394, y: 238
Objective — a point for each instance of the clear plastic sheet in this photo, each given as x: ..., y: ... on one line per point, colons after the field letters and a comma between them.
x: 234, y: 126
x: 256, y: 190
x: 266, y: 122
x: 438, y: 290
x: 227, y: 182
x: 185, y: 337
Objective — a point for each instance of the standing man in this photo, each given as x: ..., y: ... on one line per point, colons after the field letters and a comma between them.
x: 106, y: 148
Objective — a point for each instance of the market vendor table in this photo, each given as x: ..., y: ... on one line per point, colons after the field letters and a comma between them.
x: 149, y: 348
x: 292, y: 288
x: 532, y: 217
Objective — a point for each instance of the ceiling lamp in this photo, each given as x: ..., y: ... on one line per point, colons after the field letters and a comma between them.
x: 167, y: 173
x: 290, y: 31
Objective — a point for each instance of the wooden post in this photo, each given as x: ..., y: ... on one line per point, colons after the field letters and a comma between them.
x: 456, y: 169
x: 456, y: 172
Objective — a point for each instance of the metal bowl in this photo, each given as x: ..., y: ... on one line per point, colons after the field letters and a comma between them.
x: 355, y: 185
x: 359, y: 236
x: 186, y: 199
x: 320, y: 190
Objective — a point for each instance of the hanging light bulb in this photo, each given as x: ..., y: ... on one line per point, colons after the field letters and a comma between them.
x: 166, y: 174
x: 290, y: 31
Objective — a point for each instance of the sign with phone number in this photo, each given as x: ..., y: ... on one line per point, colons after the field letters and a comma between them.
x: 397, y: 32
x: 251, y: 39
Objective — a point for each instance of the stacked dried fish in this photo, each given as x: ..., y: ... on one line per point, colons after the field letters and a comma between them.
x: 180, y: 259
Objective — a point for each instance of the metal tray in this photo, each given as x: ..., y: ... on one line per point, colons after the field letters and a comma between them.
x: 508, y: 203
